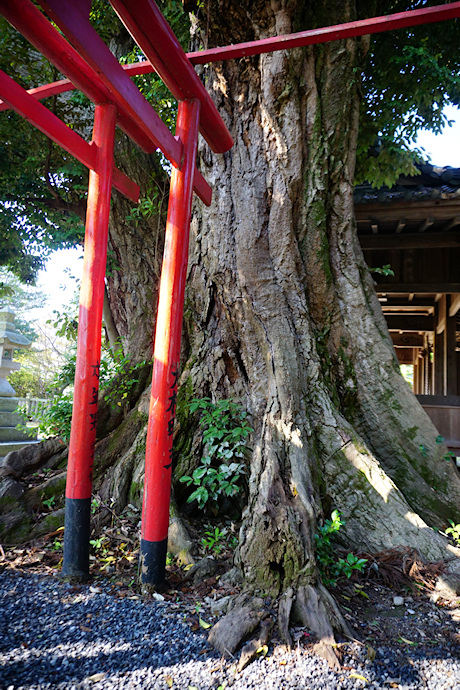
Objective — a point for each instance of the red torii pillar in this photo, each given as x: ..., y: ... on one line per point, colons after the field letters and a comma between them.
x: 166, y: 356
x: 92, y: 68
x: 98, y: 157
x: 85, y: 400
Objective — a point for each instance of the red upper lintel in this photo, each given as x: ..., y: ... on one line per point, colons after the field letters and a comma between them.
x: 329, y: 33
x: 361, y: 27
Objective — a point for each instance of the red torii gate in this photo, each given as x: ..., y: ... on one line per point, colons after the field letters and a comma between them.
x: 93, y: 69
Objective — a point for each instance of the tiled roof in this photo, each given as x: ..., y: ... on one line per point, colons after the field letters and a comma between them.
x: 432, y: 183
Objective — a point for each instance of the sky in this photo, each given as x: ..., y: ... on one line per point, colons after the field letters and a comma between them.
x: 57, y: 281
x: 443, y: 149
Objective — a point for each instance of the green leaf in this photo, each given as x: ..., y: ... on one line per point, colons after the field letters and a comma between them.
x: 199, y: 472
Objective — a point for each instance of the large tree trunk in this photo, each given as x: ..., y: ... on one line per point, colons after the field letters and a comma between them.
x: 286, y: 317
x: 135, y: 251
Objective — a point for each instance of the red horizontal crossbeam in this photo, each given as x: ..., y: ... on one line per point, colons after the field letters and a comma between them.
x: 34, y: 26
x: 367, y: 26
x: 154, y: 36
x: 373, y: 25
x: 48, y: 123
x: 42, y: 92
x: 135, y: 115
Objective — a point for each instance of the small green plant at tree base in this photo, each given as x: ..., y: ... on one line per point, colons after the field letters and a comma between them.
x: 99, y: 544
x: 117, y: 375
x: 330, y: 568
x: 225, y: 431
x: 350, y: 564
x: 324, y: 556
x: 213, y: 541
x: 49, y: 502
x: 454, y: 530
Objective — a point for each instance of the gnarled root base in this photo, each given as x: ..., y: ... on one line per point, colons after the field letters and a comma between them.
x: 315, y: 608
x: 311, y: 606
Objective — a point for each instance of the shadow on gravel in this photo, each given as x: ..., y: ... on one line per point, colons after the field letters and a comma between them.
x: 56, y: 636
x: 51, y: 634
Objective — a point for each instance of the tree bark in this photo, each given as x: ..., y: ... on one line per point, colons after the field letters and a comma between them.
x: 284, y: 313
x: 135, y: 252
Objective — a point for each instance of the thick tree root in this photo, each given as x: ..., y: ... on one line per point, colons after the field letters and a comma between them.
x: 310, y: 609
x: 19, y: 463
x: 251, y: 649
x: 227, y: 633
x: 310, y: 606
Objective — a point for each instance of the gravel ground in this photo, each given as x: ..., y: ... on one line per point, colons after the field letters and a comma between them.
x: 54, y: 635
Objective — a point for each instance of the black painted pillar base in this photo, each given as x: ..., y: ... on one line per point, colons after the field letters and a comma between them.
x: 76, y: 538
x: 153, y: 561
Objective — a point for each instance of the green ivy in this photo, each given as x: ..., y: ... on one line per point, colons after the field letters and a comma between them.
x: 225, y: 432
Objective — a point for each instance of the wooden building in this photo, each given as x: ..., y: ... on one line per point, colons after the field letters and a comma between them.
x: 414, y: 228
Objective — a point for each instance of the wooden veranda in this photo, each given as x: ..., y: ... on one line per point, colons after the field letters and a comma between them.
x: 414, y: 227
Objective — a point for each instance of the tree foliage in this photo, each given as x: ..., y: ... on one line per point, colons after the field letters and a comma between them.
x: 21, y: 299
x: 408, y: 77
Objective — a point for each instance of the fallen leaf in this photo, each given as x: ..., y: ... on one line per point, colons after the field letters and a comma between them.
x: 84, y: 628
x: 96, y: 677
x: 169, y: 681
x: 403, y: 639
x: 359, y: 677
x: 203, y: 624
x: 263, y: 650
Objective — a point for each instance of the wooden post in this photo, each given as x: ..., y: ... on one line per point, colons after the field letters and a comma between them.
x: 450, y: 343
x: 415, y: 377
x: 438, y: 345
x: 84, y: 414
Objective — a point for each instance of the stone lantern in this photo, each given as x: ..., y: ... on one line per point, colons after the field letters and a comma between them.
x: 10, y: 340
